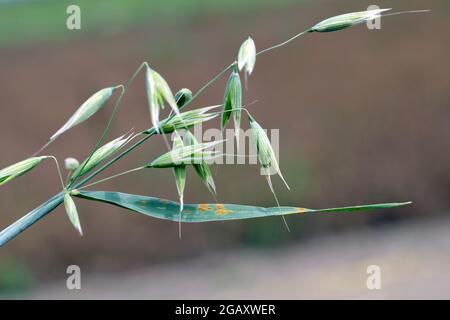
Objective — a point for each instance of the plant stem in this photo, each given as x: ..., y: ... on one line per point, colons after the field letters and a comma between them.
x: 112, y: 177
x: 30, y: 218
x: 113, y: 114
x: 209, y: 83
x: 59, y: 171
x: 282, y: 43
x: 118, y: 157
x: 105, y: 131
x: 200, y: 91
x: 235, y: 62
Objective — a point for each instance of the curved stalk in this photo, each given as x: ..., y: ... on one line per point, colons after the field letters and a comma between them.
x: 113, y: 114
x: 283, y: 43
x: 59, y: 171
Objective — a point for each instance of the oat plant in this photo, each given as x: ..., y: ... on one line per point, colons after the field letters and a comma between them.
x: 184, y: 153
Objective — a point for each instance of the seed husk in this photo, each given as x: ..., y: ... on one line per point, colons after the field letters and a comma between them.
x: 232, y: 103
x: 232, y: 100
x: 100, y: 154
x: 72, y: 213
x: 86, y: 110
x: 158, y: 92
x: 185, y: 155
x: 347, y: 20
x: 71, y: 164
x: 182, y: 97
x: 186, y: 119
x: 265, y: 153
x: 202, y: 169
x: 20, y: 168
x: 247, y: 56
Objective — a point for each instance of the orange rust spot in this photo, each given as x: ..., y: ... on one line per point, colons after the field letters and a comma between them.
x: 202, y: 207
x: 222, y: 211
x: 220, y: 206
x: 209, y: 208
x: 301, y: 210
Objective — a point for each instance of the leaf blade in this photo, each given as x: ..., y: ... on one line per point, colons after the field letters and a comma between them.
x: 169, y: 210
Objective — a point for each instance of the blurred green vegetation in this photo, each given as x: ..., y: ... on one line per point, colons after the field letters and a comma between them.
x: 15, y: 277
x: 37, y: 21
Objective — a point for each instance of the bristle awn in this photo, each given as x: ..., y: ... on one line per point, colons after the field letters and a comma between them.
x: 180, y: 176
x: 282, y: 178
x: 269, y: 181
x: 404, y: 12
x: 179, y: 219
x: 42, y: 148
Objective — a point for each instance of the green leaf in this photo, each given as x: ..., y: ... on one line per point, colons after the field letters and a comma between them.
x: 169, y: 210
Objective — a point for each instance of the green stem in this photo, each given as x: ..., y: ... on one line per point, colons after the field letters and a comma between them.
x: 113, y: 160
x: 105, y: 131
x: 113, y: 115
x: 200, y: 91
x: 283, y: 43
x: 112, y: 177
x: 30, y: 218
x: 220, y: 74
x: 59, y: 171
x: 209, y: 83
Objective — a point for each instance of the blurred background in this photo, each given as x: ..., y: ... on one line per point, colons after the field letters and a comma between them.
x: 364, y: 118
